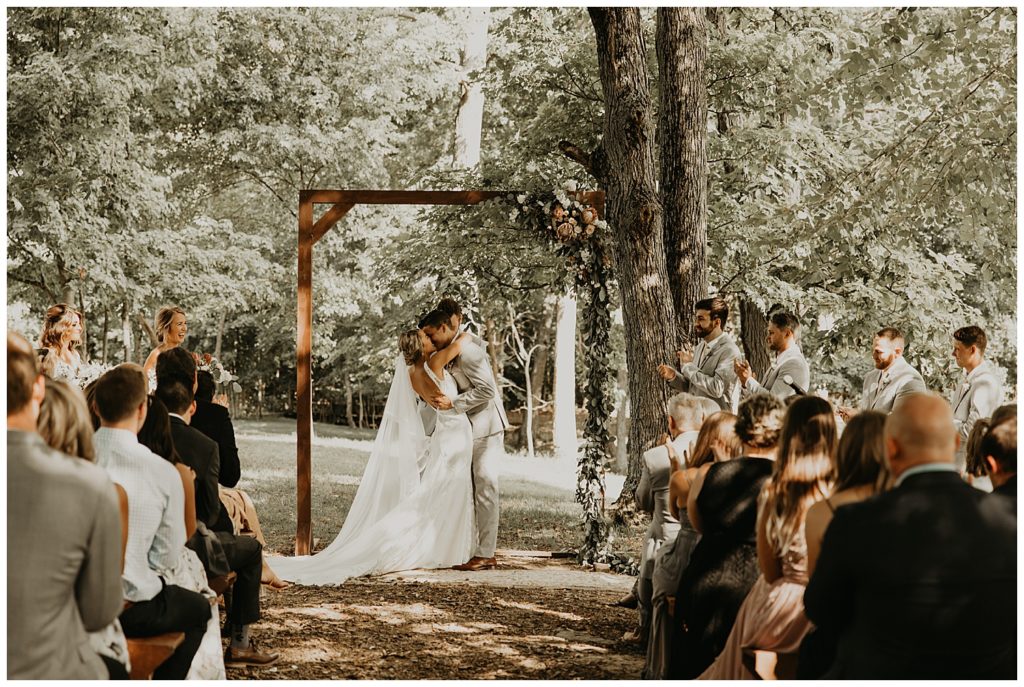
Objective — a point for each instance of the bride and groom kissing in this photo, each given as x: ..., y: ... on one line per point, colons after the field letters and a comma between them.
x: 428, y: 497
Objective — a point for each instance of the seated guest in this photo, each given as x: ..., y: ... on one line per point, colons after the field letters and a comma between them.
x: 999, y: 448
x: 65, y: 426
x: 789, y: 368
x: 156, y: 534
x: 190, y: 569
x: 716, y: 441
x: 893, y: 378
x: 975, y: 470
x: 214, y: 420
x: 63, y: 543
x: 920, y: 582
x: 860, y: 473
x: 722, y: 506
x: 244, y: 554
x: 772, y: 616
x: 979, y: 393
x: 685, y: 414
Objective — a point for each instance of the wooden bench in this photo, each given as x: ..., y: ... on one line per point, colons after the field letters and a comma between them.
x: 147, y: 653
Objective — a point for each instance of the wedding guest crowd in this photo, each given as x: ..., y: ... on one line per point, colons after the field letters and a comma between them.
x: 818, y: 549
x: 128, y: 498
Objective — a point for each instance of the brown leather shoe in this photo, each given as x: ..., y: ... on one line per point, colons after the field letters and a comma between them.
x: 477, y: 563
x: 237, y: 658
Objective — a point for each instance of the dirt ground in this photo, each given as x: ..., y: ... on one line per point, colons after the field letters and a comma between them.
x: 530, y: 619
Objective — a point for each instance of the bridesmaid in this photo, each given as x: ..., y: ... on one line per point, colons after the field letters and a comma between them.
x: 772, y: 616
x: 62, y: 332
x: 171, y: 329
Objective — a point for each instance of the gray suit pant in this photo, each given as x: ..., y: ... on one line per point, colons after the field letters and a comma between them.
x: 487, y: 454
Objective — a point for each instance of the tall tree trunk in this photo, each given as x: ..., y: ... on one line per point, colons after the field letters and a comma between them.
x: 564, y: 421
x: 470, y: 117
x: 682, y: 46
x: 493, y: 349
x: 753, y: 330
x: 622, y: 423
x: 361, y: 416
x: 106, y: 328
x: 220, y: 333
x: 348, y: 401
x: 84, y: 347
x: 624, y: 163
x: 126, y: 332
x: 67, y: 293
x: 148, y: 329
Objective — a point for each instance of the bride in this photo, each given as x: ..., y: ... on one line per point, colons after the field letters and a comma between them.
x: 414, y: 505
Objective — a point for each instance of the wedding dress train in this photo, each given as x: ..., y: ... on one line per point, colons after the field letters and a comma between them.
x: 400, y: 519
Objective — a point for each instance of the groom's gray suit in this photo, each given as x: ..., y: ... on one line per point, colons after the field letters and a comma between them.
x: 480, y: 401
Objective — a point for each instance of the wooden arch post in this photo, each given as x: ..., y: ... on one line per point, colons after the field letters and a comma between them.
x: 310, y: 232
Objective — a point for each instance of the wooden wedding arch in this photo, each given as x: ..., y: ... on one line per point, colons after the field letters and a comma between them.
x: 310, y: 232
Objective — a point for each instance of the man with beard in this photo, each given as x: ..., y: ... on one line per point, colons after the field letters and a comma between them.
x: 893, y: 378
x: 789, y: 374
x: 708, y: 371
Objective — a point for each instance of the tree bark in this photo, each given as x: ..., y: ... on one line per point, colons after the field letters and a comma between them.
x: 106, y: 328
x: 220, y: 333
x: 361, y: 416
x: 493, y: 347
x: 126, y: 332
x: 84, y: 347
x: 564, y: 421
x: 148, y: 328
x: 348, y: 402
x: 622, y: 423
x: 753, y: 330
x: 625, y: 166
x: 470, y: 117
x: 682, y: 46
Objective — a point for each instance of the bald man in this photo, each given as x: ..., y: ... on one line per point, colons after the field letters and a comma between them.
x: 920, y: 582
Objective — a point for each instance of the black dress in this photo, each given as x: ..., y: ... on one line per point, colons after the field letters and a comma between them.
x: 723, y: 566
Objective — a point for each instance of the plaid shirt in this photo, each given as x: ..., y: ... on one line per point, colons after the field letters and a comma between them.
x: 156, y: 509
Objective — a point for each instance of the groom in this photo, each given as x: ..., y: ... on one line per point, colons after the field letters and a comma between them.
x: 480, y: 401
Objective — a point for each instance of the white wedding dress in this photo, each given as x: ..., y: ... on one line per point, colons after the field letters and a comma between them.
x: 401, y: 519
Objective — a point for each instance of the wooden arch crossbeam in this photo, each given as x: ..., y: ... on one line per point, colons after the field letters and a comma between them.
x: 310, y: 232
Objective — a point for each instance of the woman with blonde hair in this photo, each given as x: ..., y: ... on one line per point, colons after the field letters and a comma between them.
x: 62, y: 332
x: 171, y: 328
x: 772, y: 616
x: 64, y: 425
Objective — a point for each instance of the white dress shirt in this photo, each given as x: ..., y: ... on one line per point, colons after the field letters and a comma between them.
x: 156, y: 509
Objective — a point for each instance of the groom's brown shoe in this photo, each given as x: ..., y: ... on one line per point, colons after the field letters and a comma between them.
x: 477, y: 563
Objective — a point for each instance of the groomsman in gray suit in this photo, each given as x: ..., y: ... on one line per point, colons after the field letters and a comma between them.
x: 979, y: 394
x: 708, y: 371
x: 789, y: 370
x: 480, y: 399
x: 892, y: 380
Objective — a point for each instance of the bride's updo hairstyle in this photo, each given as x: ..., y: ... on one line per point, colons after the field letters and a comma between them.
x: 410, y: 346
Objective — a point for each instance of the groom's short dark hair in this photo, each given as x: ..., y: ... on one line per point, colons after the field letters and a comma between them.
x: 450, y: 306
x: 435, y: 318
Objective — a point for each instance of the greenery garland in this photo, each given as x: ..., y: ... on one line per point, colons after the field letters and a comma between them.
x: 578, y: 235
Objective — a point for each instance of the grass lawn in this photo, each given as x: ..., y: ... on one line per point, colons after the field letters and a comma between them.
x: 538, y: 508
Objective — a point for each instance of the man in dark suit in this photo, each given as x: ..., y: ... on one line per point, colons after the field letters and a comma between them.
x: 214, y: 420
x: 244, y: 554
x: 999, y: 449
x: 921, y: 581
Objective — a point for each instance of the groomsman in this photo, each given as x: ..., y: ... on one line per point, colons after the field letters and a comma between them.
x: 788, y: 370
x: 980, y: 392
x: 893, y: 378
x: 708, y: 371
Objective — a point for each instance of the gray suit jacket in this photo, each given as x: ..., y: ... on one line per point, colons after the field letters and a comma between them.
x: 479, y: 396
x: 63, y: 561
x: 711, y: 374
x: 976, y: 398
x: 652, y: 496
x: 792, y: 363
x: 884, y: 390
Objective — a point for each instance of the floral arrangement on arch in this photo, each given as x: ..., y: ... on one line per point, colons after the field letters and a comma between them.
x: 220, y: 374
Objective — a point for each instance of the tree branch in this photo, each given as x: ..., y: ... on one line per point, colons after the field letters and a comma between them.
x: 577, y: 154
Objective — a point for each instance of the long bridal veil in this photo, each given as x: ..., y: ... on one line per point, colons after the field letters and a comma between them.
x: 391, y: 474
